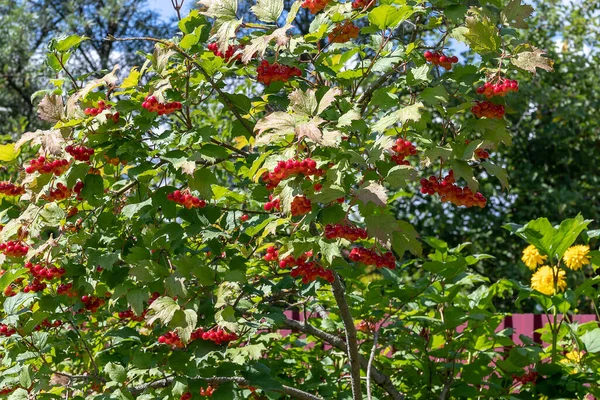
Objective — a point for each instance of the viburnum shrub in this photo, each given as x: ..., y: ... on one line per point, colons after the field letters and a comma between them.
x: 231, y: 232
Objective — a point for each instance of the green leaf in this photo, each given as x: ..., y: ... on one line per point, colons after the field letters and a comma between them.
x: 400, y: 174
x: 136, y: 298
x: 567, y: 233
x: 241, y: 355
x: 483, y: 36
x: 69, y: 42
x: 515, y: 13
x: 403, y: 116
x: 550, y: 241
x: 498, y: 172
x: 115, y: 372
x: 434, y: 95
x: 226, y: 318
x: 203, y: 180
x: 184, y: 322
x: 418, y: 75
x: 591, y: 341
x: 386, y: 16
x: 329, y: 251
x: 131, y: 210
x: 10, y: 276
x: 25, y: 377
x: 463, y: 170
x: 13, y: 304
x: 162, y: 309
x: 268, y: 10
x: 405, y: 238
x: 19, y: 394
x: 93, y: 189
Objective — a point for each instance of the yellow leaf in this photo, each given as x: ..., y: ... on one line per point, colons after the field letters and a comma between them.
x: 8, y: 152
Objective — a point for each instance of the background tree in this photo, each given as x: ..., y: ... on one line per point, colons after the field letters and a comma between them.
x: 552, y: 162
x: 26, y: 28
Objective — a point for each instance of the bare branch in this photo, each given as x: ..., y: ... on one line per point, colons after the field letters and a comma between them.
x: 351, y: 341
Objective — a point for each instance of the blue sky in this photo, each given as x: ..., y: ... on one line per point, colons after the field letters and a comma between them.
x: 165, y: 9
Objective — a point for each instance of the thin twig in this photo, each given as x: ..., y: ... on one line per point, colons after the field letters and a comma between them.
x: 370, y: 364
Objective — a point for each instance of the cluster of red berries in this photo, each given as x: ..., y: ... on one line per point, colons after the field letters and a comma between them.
x: 47, y: 324
x: 308, y: 270
x: 351, y: 233
x: 314, y: 6
x: 272, y: 204
x: 48, y: 273
x: 129, y: 314
x: 360, y: 4
x: 440, y: 59
x: 502, y: 88
x: 268, y: 73
x: 80, y: 153
x: 77, y: 189
x: 402, y: 149
x: 92, y: 303
x: 343, y: 32
x: 229, y: 53
x: 60, y: 193
x: 272, y: 254
x: 8, y: 390
x: 171, y: 339
x: 482, y: 154
x: 187, y: 200
x: 35, y: 286
x: 7, y: 331
x: 373, y: 257
x: 66, y: 289
x: 218, y: 336
x: 449, y: 191
x: 13, y: 248
x: 10, y: 189
x: 300, y: 205
x: 488, y: 110
x: 365, y: 326
x: 56, y: 167
x: 530, y: 376
x: 93, y: 111
x: 151, y: 104
x: 208, y: 392
x: 285, y: 169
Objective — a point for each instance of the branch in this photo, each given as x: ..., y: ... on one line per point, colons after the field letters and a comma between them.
x: 217, y: 380
x: 379, y: 378
x: 226, y: 101
x: 351, y: 341
x: 370, y: 365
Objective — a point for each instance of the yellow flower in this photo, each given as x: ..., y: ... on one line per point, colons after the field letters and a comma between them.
x: 543, y: 280
x: 577, y: 256
x: 574, y: 356
x: 532, y: 257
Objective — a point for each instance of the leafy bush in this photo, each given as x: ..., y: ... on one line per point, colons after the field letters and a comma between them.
x: 174, y: 221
